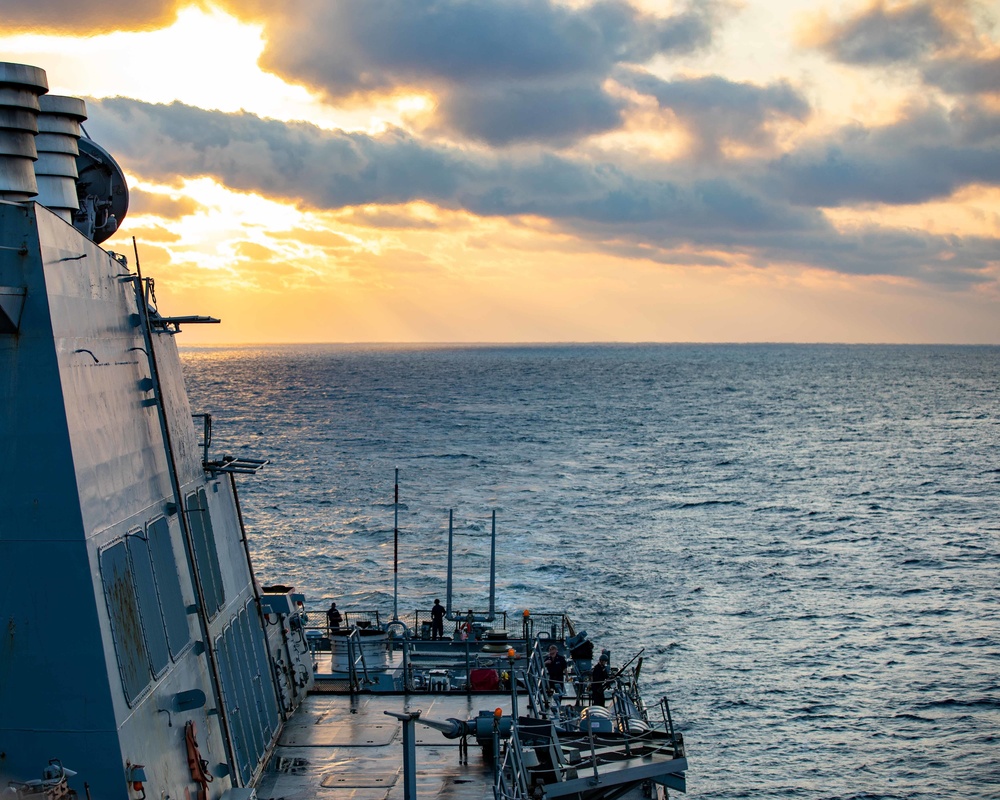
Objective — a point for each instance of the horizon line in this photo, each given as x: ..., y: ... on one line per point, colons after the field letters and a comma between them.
x: 593, y: 343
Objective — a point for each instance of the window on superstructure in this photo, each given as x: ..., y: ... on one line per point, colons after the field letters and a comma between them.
x: 168, y: 585
x: 126, y: 622
x: 153, y: 629
x: 246, y: 684
x: 206, y: 553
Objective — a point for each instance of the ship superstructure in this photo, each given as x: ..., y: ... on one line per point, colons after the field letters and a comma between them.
x: 133, y: 645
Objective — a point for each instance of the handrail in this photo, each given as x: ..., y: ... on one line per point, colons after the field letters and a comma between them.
x: 536, y: 678
x: 542, y: 623
x: 352, y: 675
x: 512, y: 780
x: 354, y: 641
x: 677, y: 741
x: 422, y: 616
x: 362, y: 616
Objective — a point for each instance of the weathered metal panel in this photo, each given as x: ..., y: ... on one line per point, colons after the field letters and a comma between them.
x: 252, y: 678
x: 168, y: 586
x: 153, y: 628
x: 126, y: 621
x: 247, y: 686
x: 270, y: 713
x: 206, y: 552
x: 234, y: 690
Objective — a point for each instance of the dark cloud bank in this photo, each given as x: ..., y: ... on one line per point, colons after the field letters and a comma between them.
x: 946, y: 42
x: 503, y: 72
x: 879, y: 35
x: 766, y: 211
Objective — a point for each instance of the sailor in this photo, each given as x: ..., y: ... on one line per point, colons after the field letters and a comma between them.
x: 598, y: 680
x: 333, y: 618
x: 555, y: 664
x: 437, y: 620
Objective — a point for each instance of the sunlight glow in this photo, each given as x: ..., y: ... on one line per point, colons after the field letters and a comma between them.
x: 207, y: 59
x: 969, y: 212
x: 225, y: 231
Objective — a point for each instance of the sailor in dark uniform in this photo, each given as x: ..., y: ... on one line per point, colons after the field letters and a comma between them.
x: 598, y: 680
x: 333, y: 618
x: 555, y: 664
x: 437, y: 620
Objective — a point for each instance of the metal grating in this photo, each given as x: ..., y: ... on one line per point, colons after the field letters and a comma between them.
x: 238, y: 466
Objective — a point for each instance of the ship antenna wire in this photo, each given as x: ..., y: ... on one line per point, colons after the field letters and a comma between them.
x: 451, y: 513
x: 493, y: 569
x: 395, y: 552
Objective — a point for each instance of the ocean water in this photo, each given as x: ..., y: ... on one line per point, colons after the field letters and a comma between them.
x: 804, y: 541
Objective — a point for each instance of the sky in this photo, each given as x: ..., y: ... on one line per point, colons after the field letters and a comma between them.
x: 547, y: 170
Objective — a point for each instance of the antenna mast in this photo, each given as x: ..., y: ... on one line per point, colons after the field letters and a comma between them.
x: 395, y: 552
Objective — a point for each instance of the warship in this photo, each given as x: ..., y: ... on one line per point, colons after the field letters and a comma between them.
x: 139, y: 654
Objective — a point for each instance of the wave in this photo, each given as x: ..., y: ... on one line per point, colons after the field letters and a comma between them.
x: 707, y: 503
x: 951, y: 702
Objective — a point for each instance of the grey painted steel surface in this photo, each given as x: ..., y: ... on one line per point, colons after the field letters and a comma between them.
x: 339, y: 749
x: 58, y: 134
x: 102, y: 191
x: 20, y: 86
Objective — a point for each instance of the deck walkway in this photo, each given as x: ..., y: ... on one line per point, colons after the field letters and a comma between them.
x: 343, y: 748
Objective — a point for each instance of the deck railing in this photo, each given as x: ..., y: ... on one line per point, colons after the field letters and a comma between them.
x: 543, y: 625
x: 356, y: 656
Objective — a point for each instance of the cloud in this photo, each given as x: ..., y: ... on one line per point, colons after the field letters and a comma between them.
x: 950, y: 42
x: 391, y: 218
x: 92, y: 17
x: 927, y: 155
x: 503, y: 72
x: 501, y: 115
x: 331, y: 170
x: 717, y: 111
x: 762, y: 213
x: 964, y: 76
x: 345, y: 47
x: 904, y: 32
x: 869, y: 250
x: 163, y: 206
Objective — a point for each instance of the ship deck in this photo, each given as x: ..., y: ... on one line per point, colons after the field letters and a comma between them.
x: 347, y: 748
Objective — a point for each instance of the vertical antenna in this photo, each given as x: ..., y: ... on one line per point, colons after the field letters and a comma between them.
x: 395, y: 552
x: 447, y: 609
x: 493, y: 568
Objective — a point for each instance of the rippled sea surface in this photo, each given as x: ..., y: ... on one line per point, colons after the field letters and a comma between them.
x: 805, y: 540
